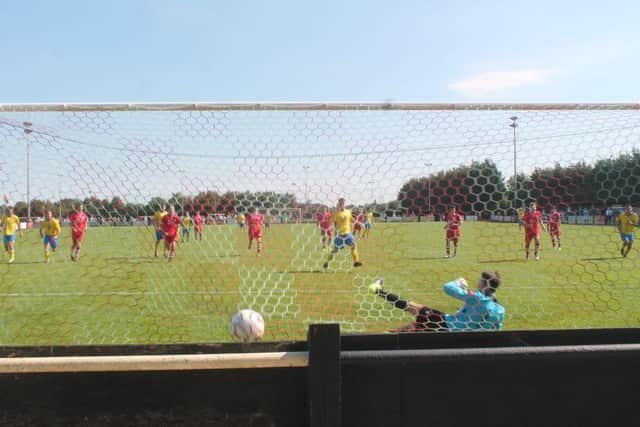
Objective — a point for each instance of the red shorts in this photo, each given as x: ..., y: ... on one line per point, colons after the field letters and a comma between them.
x: 170, y: 238
x: 453, y: 234
x: 554, y: 230
x: 528, y: 236
x: 357, y: 226
x: 198, y: 228
x: 326, y: 232
x: 77, y: 236
x: 255, y: 234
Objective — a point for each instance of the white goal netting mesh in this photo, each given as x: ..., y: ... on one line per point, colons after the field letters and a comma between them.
x: 399, y: 168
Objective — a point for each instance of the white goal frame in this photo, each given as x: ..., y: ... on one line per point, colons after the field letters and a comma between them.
x: 310, y: 106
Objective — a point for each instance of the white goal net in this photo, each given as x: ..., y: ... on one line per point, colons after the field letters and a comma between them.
x: 401, y: 168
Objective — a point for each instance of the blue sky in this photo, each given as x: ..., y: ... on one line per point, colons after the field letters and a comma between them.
x: 245, y: 51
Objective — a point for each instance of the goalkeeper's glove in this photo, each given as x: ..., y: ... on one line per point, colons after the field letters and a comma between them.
x: 462, y: 283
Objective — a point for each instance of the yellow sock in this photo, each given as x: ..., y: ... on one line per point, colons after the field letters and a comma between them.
x: 354, y: 255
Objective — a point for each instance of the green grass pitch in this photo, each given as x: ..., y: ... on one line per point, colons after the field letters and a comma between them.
x: 118, y: 293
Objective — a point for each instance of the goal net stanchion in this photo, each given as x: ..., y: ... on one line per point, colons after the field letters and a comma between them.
x: 405, y: 164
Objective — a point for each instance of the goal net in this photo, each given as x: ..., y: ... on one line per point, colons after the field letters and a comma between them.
x: 400, y: 168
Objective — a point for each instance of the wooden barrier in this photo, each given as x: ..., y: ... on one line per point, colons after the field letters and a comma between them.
x: 580, y: 377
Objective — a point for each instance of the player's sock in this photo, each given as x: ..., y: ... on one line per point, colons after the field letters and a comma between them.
x: 356, y: 258
x: 354, y: 255
x: 393, y: 299
x: 12, y: 256
x: 328, y: 260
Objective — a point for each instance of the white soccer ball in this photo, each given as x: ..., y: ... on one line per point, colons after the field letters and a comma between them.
x: 247, y: 326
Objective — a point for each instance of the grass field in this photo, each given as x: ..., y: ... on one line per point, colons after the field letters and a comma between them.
x: 118, y: 293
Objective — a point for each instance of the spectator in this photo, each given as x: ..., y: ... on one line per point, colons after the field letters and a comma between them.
x: 608, y: 213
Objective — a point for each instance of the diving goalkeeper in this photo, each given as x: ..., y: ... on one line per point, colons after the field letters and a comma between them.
x: 481, y: 310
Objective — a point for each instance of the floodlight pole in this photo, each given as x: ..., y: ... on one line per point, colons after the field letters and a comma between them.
x: 27, y: 131
x: 514, y: 125
x: 306, y: 189
x: 428, y: 165
x: 182, y: 188
x: 60, y: 196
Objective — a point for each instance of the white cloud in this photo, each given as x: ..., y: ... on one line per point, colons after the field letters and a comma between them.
x: 498, y: 81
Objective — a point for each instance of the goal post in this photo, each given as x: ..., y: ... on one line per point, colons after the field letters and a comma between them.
x: 401, y: 168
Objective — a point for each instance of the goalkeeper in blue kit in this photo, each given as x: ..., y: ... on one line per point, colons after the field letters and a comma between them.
x: 481, y: 310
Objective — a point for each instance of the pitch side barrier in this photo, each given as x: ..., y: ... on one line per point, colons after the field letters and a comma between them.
x: 514, y: 378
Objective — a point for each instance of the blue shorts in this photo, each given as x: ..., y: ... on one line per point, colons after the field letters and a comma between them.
x: 185, y: 230
x: 267, y: 224
x: 344, y: 239
x: 7, y: 239
x: 627, y: 238
x: 159, y: 235
x: 51, y: 241
x: 241, y: 225
x: 367, y: 226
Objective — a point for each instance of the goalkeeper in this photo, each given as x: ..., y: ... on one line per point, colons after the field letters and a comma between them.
x: 481, y: 310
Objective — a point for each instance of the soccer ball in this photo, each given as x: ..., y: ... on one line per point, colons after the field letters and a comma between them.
x: 247, y: 326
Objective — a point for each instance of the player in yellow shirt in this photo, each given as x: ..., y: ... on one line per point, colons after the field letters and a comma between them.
x: 10, y: 224
x: 368, y: 224
x: 157, y: 225
x: 625, y: 223
x: 267, y: 222
x: 343, y: 218
x: 49, y: 230
x: 187, y: 223
x: 241, y: 221
x: 520, y: 213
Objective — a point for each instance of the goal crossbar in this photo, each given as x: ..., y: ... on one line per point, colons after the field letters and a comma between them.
x: 309, y: 106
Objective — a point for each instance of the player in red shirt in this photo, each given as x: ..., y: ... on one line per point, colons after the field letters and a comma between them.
x: 454, y: 221
x: 554, y: 228
x: 170, y: 226
x: 254, y: 221
x: 532, y: 220
x: 79, y: 221
x: 326, y: 227
x: 198, y: 222
x: 358, y: 223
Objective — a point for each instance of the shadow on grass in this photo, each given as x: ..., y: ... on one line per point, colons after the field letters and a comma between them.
x: 25, y: 262
x: 498, y: 261
x: 305, y: 272
x: 602, y: 258
x: 130, y: 258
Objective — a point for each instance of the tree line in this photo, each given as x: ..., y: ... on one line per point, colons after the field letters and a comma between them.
x: 480, y: 188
